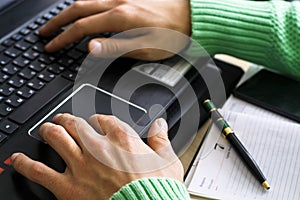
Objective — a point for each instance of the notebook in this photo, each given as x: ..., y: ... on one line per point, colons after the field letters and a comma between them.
x: 34, y: 85
x: 272, y: 140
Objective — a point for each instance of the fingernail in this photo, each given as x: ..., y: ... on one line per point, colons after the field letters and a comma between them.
x: 56, y: 116
x: 42, y: 27
x: 160, y: 126
x: 49, y: 45
x: 95, y: 47
x: 13, y: 156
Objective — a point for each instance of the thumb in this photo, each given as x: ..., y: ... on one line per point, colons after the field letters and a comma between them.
x: 110, y: 47
x: 135, y: 47
x: 158, y: 135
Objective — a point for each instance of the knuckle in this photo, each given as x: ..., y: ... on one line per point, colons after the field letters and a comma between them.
x: 36, y: 171
x: 123, y: 10
x: 54, y: 20
x: 61, y: 117
x: 77, y: 6
x: 109, y: 119
x: 70, y: 122
x: 79, y: 26
x: 52, y: 131
x: 65, y: 119
x: 118, y: 130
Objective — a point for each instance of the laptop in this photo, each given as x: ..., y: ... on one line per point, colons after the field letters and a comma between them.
x: 35, y: 85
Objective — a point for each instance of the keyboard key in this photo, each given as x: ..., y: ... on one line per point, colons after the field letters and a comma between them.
x: 4, y: 60
x: 62, y: 6
x: 6, y: 90
x: 3, y: 77
x: 75, y: 54
x: 56, y: 68
x: 16, y: 82
x: 5, y: 109
x: 22, y: 45
x: 40, y: 21
x: 39, y: 47
x: 31, y: 38
x: 17, y: 37
x: 30, y: 54
x: 69, y: 2
x: 47, y: 16
x: 2, y: 48
x: 12, y: 52
x: 8, y: 42
x: 55, y: 11
x: 33, y: 26
x: 8, y: 127
x: 74, y: 67
x: 25, y: 92
x: 25, y: 31
x: 21, y: 62
x: 46, y: 58
x: 2, y: 139
x: 35, y: 84
x: 46, y: 76
x: 38, y: 101
x: 65, y: 61
x: 10, y: 69
x: 69, y: 75
x: 14, y: 101
x: 8, y: 161
x: 83, y: 46
x: 27, y: 73
x: 37, y: 66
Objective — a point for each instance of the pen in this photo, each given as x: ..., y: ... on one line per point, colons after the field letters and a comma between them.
x: 235, y: 142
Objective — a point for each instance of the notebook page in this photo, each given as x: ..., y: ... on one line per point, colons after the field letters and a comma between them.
x: 242, y: 108
x: 274, y: 144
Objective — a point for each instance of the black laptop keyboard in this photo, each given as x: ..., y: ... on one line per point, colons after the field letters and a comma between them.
x: 31, y: 78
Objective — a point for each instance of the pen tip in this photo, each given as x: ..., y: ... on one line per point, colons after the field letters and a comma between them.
x: 266, y: 185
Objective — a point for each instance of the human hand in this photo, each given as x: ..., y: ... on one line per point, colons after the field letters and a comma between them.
x: 91, y: 171
x: 100, y: 16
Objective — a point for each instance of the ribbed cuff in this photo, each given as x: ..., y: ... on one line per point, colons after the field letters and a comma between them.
x: 256, y: 31
x: 154, y: 189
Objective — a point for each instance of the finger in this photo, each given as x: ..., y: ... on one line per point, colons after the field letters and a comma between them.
x: 37, y: 172
x: 70, y: 124
x: 130, y: 47
x: 73, y: 12
x: 158, y: 135
x: 58, y: 138
x: 118, y: 131
x: 109, y: 21
x: 93, y: 120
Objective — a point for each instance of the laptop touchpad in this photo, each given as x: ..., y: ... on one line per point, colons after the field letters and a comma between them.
x: 88, y: 100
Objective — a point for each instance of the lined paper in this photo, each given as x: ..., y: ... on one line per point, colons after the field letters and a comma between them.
x: 274, y: 143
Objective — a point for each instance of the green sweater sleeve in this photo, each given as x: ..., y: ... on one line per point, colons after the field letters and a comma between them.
x: 152, y: 189
x: 262, y: 32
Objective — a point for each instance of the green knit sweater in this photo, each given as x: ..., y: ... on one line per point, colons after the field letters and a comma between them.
x: 154, y: 188
x: 264, y: 32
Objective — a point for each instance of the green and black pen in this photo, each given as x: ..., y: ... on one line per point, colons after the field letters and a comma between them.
x: 235, y: 142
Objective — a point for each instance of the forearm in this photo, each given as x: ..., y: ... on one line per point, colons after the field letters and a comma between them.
x: 265, y: 33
